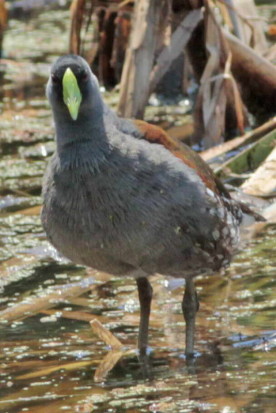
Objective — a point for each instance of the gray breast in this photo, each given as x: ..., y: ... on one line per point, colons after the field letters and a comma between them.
x: 158, y: 217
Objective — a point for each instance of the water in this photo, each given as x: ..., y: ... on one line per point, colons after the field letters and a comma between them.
x: 51, y: 357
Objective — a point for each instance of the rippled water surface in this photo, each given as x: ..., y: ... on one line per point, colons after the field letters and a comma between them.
x: 51, y: 358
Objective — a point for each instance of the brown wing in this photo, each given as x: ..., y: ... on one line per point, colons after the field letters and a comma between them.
x: 155, y: 134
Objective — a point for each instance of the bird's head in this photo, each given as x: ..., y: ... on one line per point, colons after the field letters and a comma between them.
x: 72, y: 88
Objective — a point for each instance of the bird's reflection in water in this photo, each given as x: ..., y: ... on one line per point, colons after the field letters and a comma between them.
x: 147, y: 364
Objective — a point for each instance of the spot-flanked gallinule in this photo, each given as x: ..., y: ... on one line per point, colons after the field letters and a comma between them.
x: 122, y: 197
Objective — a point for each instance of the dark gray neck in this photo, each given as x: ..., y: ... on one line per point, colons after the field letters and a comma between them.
x: 84, y: 142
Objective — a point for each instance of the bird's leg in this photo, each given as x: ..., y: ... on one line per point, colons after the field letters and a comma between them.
x: 145, y: 296
x: 190, y: 306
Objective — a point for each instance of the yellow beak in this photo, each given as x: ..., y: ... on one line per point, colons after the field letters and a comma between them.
x: 71, y: 93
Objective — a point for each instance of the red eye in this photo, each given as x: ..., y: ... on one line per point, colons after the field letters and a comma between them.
x: 84, y: 76
x: 54, y: 78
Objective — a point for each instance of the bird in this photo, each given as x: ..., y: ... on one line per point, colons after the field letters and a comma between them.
x: 121, y: 196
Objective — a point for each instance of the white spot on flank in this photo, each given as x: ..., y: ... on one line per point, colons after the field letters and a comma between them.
x: 210, y: 193
x: 216, y: 235
x: 225, y: 231
x: 213, y: 211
